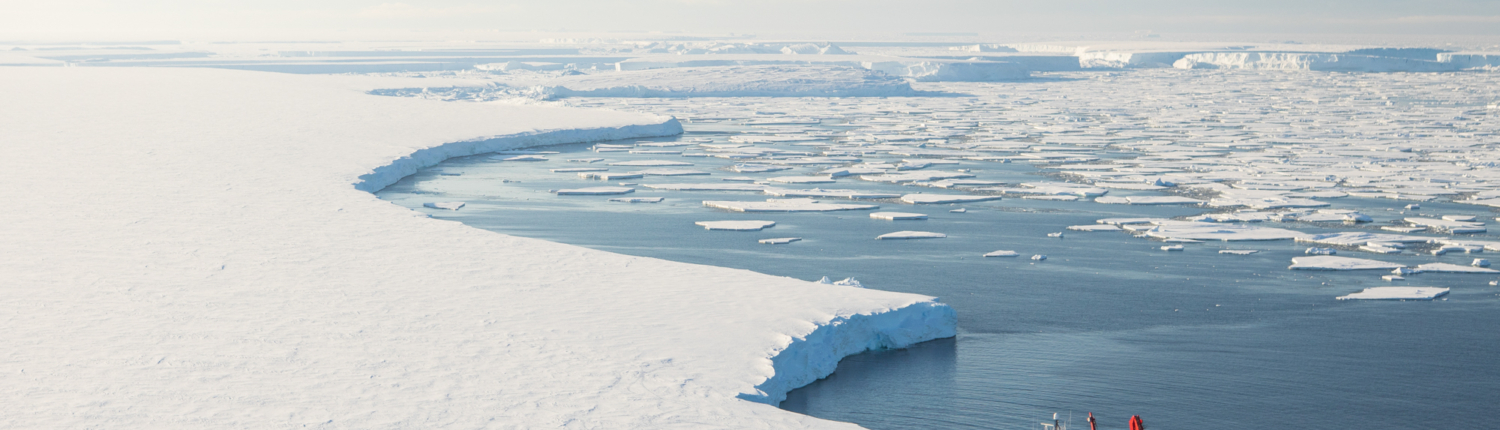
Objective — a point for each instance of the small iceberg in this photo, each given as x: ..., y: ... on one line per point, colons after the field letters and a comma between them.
x: 1003, y: 254
x: 1057, y: 234
x: 1321, y: 251
x: 525, y: 158
x: 1397, y: 293
x: 585, y: 160
x: 1324, y: 262
x: 779, y: 240
x: 959, y: 210
x: 1172, y: 248
x: 452, y: 206
x: 1452, y: 268
x: 595, y: 191
x: 1038, y: 257
x: 911, y: 235
x: 610, y: 176
x: 735, y: 225
x: 1238, y: 251
x: 636, y: 199
x: 898, y: 216
x: 785, y: 205
x: 922, y: 199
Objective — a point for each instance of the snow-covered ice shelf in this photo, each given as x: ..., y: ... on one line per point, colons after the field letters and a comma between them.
x: 253, y: 282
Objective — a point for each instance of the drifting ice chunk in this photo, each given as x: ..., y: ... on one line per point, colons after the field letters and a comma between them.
x: 911, y: 235
x: 897, y: 216
x: 524, y: 158
x: 452, y: 206
x: 1452, y: 268
x: 1238, y: 251
x: 757, y: 168
x: 1321, y: 251
x: 785, y: 205
x: 580, y: 169
x: 636, y: 199
x: 609, y: 176
x: 585, y: 160
x: 1169, y: 229
x: 1057, y: 234
x: 735, y: 225
x: 1172, y: 248
x: 1162, y: 200
x: 802, y: 179
x: 595, y: 191
x: 670, y: 172
x: 1340, y: 263
x: 651, y: 163
x: 1038, y: 257
x: 1002, y: 254
x: 780, y: 241
x: 1392, y: 278
x: 707, y: 187
x: 1401, y: 229
x: 917, y: 199
x: 1461, y: 218
x: 959, y: 210
x: 1379, y: 249
x: 1480, y: 262
x: 1397, y: 293
x: 816, y: 192
x: 1094, y: 227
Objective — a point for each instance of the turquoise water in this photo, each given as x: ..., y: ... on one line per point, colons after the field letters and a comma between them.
x: 1109, y: 324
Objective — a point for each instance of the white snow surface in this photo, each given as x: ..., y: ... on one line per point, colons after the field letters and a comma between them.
x: 210, y: 257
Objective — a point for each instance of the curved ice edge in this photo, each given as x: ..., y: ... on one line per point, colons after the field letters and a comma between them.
x: 815, y: 356
x: 802, y: 361
x: 388, y: 174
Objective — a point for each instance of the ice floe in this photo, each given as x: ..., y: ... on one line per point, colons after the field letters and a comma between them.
x: 452, y: 206
x: 1324, y: 262
x: 911, y: 235
x: 918, y: 199
x: 1003, y: 253
x: 897, y: 216
x: 1397, y: 293
x: 595, y: 191
x: 735, y: 225
x: 779, y: 240
x: 785, y: 205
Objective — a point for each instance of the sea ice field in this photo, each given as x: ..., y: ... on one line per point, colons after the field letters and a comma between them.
x: 1252, y: 176
x: 659, y: 230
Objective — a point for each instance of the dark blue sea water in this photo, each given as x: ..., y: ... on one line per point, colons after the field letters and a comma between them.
x: 1109, y: 324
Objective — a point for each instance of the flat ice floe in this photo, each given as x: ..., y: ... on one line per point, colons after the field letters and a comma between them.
x: 580, y: 169
x: 918, y: 199
x: 1169, y: 229
x: 636, y: 199
x: 779, y: 240
x: 1397, y: 293
x: 1325, y: 262
x: 1002, y: 254
x: 452, y: 206
x: 651, y: 163
x: 670, y: 172
x: 802, y: 179
x: 785, y: 205
x: 1452, y: 268
x: 707, y: 187
x: 911, y: 235
x: 898, y: 216
x: 1094, y: 227
x: 1148, y: 200
x: 735, y: 225
x: 595, y: 191
x: 1238, y: 251
x: 821, y: 193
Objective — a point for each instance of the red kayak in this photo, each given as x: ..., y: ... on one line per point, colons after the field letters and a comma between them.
x: 1136, y: 423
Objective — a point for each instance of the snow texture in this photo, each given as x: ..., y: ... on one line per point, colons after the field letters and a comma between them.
x: 210, y: 257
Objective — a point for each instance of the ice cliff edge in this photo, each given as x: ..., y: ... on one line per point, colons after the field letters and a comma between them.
x: 815, y: 355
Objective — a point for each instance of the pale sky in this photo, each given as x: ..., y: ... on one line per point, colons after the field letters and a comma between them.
x: 281, y: 19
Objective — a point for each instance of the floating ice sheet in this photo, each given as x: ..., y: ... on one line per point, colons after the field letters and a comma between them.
x: 911, y: 235
x: 736, y: 225
x: 785, y: 205
x: 1325, y: 262
x: 1397, y: 293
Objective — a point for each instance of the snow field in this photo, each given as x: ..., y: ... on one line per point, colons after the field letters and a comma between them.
x: 214, y: 259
